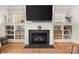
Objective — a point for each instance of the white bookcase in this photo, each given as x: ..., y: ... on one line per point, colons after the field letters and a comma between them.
x: 9, y: 31
x: 19, y: 32
x: 62, y: 31
x: 67, y: 32
x: 16, y: 32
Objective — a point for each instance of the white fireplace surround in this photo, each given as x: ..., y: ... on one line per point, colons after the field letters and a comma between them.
x: 34, y: 26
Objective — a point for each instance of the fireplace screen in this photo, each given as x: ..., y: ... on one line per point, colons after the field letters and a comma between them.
x: 39, y: 37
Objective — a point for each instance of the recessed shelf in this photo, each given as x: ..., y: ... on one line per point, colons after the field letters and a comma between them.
x: 9, y: 31
x: 19, y: 32
x: 62, y: 32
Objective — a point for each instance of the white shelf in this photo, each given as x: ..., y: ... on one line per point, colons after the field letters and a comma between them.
x: 9, y: 34
x: 9, y: 29
x: 58, y: 34
x: 20, y: 34
x: 58, y: 29
x: 67, y: 29
x: 67, y: 34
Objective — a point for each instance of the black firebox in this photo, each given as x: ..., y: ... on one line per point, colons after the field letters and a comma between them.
x: 39, y: 39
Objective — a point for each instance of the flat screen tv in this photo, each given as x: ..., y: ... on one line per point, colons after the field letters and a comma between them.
x: 39, y: 12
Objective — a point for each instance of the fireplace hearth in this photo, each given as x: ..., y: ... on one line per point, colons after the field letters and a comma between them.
x: 39, y: 39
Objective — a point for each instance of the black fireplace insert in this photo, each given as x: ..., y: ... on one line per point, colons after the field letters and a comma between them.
x: 39, y: 39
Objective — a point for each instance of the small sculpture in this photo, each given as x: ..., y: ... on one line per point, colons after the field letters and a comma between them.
x: 68, y: 19
x: 39, y: 27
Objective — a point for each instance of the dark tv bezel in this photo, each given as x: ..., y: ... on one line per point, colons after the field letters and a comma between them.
x: 39, y: 19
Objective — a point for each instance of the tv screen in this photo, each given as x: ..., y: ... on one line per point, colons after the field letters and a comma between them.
x: 39, y: 12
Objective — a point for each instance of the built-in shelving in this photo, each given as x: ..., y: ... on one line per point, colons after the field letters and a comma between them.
x: 57, y: 32
x: 67, y: 31
x: 62, y: 31
x: 19, y: 32
x: 14, y: 27
x: 9, y: 31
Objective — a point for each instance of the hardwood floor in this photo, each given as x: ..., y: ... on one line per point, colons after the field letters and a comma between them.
x: 61, y: 47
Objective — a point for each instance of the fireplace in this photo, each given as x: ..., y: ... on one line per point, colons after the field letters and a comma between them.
x: 39, y: 39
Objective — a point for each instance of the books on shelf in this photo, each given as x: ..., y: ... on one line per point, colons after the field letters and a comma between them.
x: 62, y: 32
x: 9, y: 31
x: 19, y: 32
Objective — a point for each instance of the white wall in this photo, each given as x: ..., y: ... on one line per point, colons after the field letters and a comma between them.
x: 60, y: 12
x: 3, y: 14
x: 15, y: 10
x: 75, y: 20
